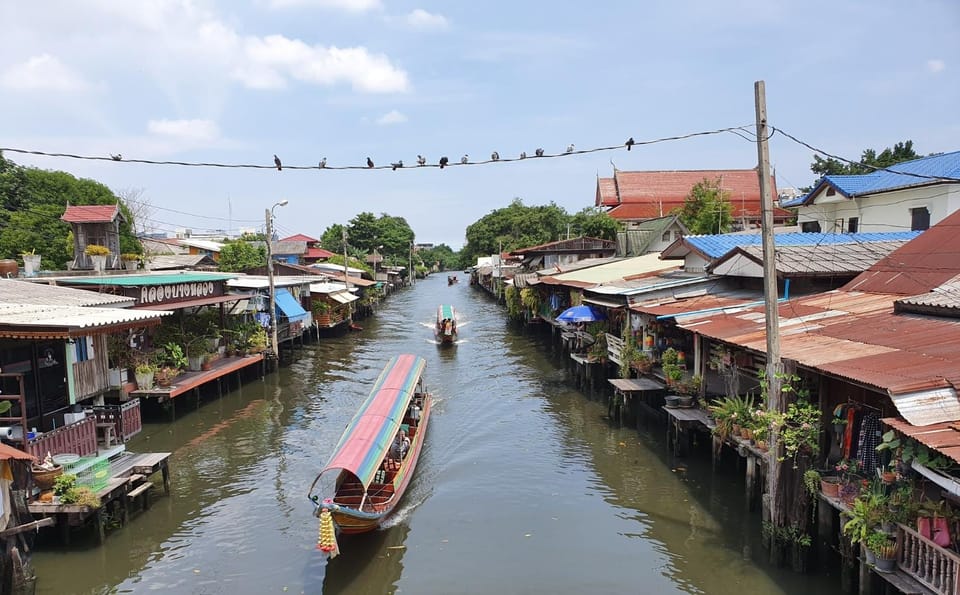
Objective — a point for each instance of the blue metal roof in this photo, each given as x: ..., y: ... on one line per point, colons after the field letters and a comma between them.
x: 715, y: 246
x: 946, y: 165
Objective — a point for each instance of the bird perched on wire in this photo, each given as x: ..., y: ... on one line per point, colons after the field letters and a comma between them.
x: 394, y: 166
x: 464, y: 159
x: 443, y: 162
x: 495, y: 156
x: 523, y: 155
x: 539, y: 152
x: 421, y: 160
x: 629, y: 143
x: 117, y: 157
x: 276, y: 161
x: 570, y: 148
x: 369, y: 162
x: 323, y: 163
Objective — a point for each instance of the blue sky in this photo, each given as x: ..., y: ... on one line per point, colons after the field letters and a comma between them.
x: 237, y: 82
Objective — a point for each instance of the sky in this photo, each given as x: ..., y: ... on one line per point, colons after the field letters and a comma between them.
x: 237, y: 82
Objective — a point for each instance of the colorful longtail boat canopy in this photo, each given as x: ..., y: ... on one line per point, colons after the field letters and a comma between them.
x: 444, y: 312
x: 370, y: 433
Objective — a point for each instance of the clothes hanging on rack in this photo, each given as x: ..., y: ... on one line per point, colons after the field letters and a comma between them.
x: 869, y: 440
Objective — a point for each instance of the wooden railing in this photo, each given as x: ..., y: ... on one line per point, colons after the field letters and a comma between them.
x: 929, y: 564
x: 614, y: 347
x: 125, y: 418
x: 77, y: 438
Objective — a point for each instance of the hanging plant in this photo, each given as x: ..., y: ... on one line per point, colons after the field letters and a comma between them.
x: 512, y: 298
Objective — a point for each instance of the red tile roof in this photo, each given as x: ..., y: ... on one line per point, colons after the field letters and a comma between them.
x: 317, y: 253
x: 919, y: 266
x: 300, y: 238
x: 650, y: 194
x: 90, y: 213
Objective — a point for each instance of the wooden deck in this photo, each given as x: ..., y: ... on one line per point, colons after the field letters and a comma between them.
x: 129, y: 482
x: 194, y: 380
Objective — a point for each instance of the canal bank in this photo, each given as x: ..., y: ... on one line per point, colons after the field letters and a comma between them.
x: 524, y: 485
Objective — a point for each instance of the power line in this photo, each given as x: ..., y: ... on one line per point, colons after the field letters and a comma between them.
x: 860, y: 163
x: 394, y: 165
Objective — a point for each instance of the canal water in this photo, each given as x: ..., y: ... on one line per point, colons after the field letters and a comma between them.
x: 524, y: 486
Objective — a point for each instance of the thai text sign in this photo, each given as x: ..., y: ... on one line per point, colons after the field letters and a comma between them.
x: 177, y: 292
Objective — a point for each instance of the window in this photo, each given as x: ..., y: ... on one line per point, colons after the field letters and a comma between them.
x: 81, y: 349
x: 853, y: 224
x: 831, y: 191
x: 810, y: 227
x: 666, y: 236
x: 919, y: 219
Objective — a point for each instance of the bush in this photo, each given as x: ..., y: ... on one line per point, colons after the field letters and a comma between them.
x: 96, y: 250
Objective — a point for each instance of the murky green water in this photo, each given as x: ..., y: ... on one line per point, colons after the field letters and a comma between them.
x: 523, y: 487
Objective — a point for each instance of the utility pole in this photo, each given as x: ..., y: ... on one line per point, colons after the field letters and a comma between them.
x: 776, y: 513
x: 411, y: 274
x: 274, y: 344
x: 346, y: 273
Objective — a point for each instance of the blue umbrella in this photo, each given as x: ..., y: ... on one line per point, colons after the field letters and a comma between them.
x: 580, y: 313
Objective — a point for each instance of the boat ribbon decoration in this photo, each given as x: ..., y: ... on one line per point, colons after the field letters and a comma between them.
x: 327, y: 539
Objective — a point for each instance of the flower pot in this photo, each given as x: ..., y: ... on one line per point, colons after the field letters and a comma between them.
x: 830, y: 486
x: 684, y: 401
x: 886, y: 564
x: 194, y: 363
x: 144, y: 380
x: 131, y: 265
x: 672, y: 400
x: 869, y: 556
x: 44, y: 478
x: 762, y: 445
x: 99, y: 262
x: 118, y: 376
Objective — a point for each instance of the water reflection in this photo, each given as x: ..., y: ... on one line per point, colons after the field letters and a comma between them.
x: 372, y: 563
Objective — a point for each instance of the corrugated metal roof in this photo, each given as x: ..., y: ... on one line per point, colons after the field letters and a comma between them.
x: 149, y: 279
x: 618, y: 269
x: 632, y: 286
x: 581, y: 244
x: 263, y: 282
x: 14, y: 291
x: 300, y: 238
x: 823, y: 259
x: 69, y: 317
x: 178, y: 261
x: 946, y: 165
x: 942, y: 437
x: 90, y: 213
x: 929, y: 261
x: 717, y: 245
x: 672, y: 306
x: 944, y: 299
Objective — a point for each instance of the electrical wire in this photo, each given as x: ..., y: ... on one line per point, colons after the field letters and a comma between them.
x: 538, y: 154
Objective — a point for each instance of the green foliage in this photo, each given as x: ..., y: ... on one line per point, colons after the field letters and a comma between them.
x: 96, y: 250
x: 707, y: 209
x: 513, y: 227
x: 799, y: 427
x: 594, y: 222
x: 530, y: 298
x: 511, y: 297
x: 172, y: 355
x: 63, y: 483
x: 902, y: 151
x: 786, y: 535
x: 811, y: 481
x: 442, y: 256
x: 33, y: 200
x: 239, y: 256
x: 881, y: 544
x: 867, y: 512
x: 353, y: 263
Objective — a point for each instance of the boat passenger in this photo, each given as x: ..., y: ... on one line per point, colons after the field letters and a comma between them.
x: 414, y: 412
x: 400, y: 446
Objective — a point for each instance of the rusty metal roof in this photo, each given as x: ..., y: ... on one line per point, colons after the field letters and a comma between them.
x: 919, y: 266
x: 942, y: 437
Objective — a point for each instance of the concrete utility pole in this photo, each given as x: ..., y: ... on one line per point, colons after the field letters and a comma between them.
x: 346, y: 273
x: 775, y: 404
x: 274, y: 344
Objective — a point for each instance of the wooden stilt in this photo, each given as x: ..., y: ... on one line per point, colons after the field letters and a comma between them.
x: 751, y: 481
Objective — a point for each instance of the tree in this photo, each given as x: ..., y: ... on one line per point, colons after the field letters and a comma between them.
x: 239, y: 256
x: 32, y: 201
x: 442, y: 256
x: 706, y: 210
x: 869, y: 161
x: 513, y: 227
x: 332, y: 238
x: 594, y: 222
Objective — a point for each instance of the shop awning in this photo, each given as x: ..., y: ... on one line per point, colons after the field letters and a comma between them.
x: 207, y: 301
x: 343, y: 297
x: 290, y: 307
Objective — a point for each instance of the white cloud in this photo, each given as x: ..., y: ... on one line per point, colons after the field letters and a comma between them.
x: 936, y: 66
x: 202, y: 131
x: 269, y: 61
x: 392, y: 117
x: 42, y: 73
x: 347, y: 5
x: 421, y: 19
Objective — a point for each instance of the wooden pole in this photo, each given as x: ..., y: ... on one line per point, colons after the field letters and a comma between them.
x: 774, y: 369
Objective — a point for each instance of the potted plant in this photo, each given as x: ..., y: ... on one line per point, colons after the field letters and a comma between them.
x: 144, y: 373
x: 884, y: 549
x: 31, y: 263
x: 63, y: 484
x: 98, y: 255
x: 118, y: 358
x: 131, y: 260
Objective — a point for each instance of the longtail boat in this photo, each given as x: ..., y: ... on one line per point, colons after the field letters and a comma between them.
x: 446, y: 329
x: 377, y: 453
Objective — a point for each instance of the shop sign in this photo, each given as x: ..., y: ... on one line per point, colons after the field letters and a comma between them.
x: 178, y: 292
